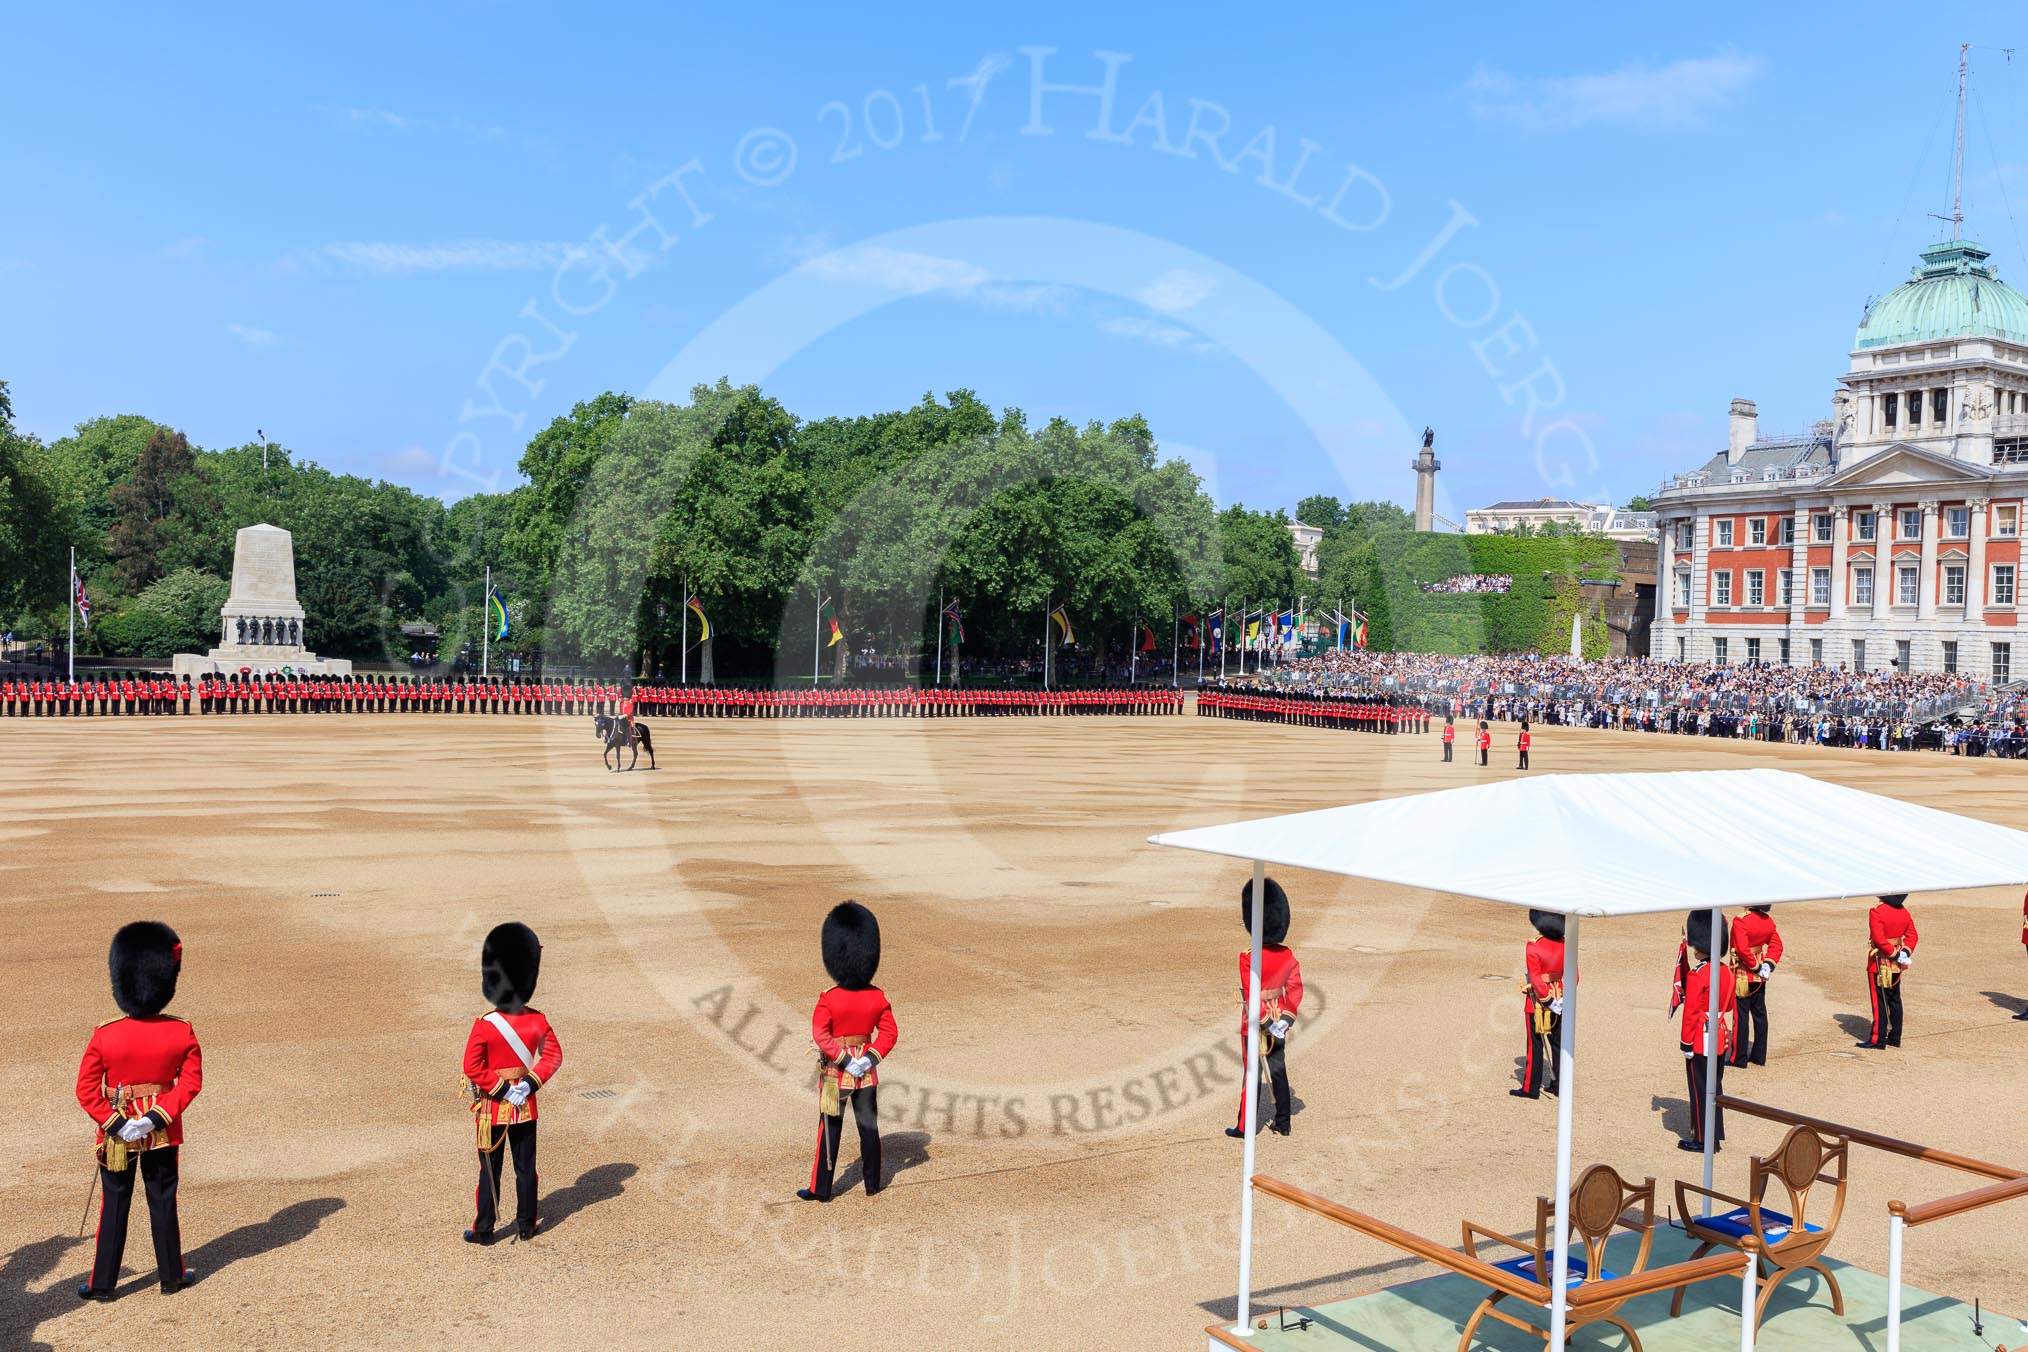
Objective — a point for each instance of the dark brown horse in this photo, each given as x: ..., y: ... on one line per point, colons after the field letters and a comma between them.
x: 613, y: 732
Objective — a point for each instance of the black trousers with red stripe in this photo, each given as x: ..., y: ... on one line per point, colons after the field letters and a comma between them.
x: 520, y: 1139
x: 1886, y: 1013
x: 831, y: 1130
x: 157, y: 1169
x: 1538, y: 1071
x: 1695, y: 1066
x: 1752, y: 1011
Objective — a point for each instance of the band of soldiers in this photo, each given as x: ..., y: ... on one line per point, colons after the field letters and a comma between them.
x: 1353, y: 713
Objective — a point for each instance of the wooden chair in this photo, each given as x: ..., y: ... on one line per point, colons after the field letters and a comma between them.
x: 1599, y: 1204
x: 1790, y: 1241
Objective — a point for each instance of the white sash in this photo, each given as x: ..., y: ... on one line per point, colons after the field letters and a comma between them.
x: 506, y: 1030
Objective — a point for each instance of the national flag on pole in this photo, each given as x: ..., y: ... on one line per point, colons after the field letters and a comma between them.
x: 957, y: 620
x: 1217, y: 629
x: 1147, y: 637
x: 496, y: 614
x: 703, y: 625
x: 831, y: 618
x: 1359, y: 632
x: 1063, y: 623
x: 1191, y: 625
x: 83, y: 602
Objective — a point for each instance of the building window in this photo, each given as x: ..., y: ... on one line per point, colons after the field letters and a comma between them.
x: 1862, y: 586
x: 1939, y: 406
x: 1756, y: 586
x: 1911, y: 523
x: 2003, y: 584
x: 1816, y: 652
x: 1723, y: 529
x: 2007, y: 521
x: 1888, y: 409
x: 1950, y: 657
x: 1820, y: 587
x: 2003, y: 663
x: 1753, y: 650
x: 1858, y: 654
x: 1787, y: 531
x: 1718, y: 651
x: 1683, y: 535
x: 1957, y: 522
x: 1901, y: 655
x: 1784, y: 650
x: 1954, y: 584
x: 1683, y: 589
x: 1820, y: 528
x: 1721, y: 588
x: 1862, y: 525
x: 1756, y: 530
x: 1788, y: 586
x: 1905, y: 586
x: 1679, y: 649
x: 1915, y: 408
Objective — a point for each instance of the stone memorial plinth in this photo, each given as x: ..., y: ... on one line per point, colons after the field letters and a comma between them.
x: 262, y: 621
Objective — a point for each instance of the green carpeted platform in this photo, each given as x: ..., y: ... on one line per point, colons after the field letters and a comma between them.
x: 1428, y: 1315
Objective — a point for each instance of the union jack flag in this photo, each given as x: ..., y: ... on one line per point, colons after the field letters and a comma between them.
x: 83, y: 602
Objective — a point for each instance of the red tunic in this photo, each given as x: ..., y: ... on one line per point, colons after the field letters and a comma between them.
x: 1891, y: 929
x: 1545, y: 972
x: 492, y: 1066
x: 124, y: 1051
x: 842, y: 1014
x: 1697, y: 1004
x: 1281, y: 983
x: 1755, y: 940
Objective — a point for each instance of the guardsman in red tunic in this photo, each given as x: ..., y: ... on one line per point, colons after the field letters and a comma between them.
x: 1542, y: 1005
x: 139, y: 1074
x: 2023, y: 1015
x: 854, y: 1030
x: 1522, y: 743
x: 1756, y: 952
x: 509, y: 1056
x: 1485, y: 742
x: 1450, y: 735
x: 1281, y: 997
x: 1890, y: 948
x: 1696, y: 983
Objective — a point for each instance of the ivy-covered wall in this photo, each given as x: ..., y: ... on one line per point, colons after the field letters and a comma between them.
x: 1533, y: 616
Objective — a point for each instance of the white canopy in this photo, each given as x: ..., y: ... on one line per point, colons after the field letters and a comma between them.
x: 1631, y: 844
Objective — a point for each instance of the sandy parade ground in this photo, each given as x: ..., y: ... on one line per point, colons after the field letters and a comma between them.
x: 1065, y: 991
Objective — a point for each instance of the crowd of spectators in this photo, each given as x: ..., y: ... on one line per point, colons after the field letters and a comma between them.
x: 1468, y: 583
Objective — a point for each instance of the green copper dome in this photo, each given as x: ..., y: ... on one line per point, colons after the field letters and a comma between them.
x: 1953, y: 293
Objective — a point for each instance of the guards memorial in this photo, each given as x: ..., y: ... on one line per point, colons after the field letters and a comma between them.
x: 262, y: 621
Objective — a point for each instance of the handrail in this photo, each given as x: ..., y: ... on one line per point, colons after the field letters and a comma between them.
x: 1662, y: 1278
x: 1873, y: 1140
x: 1581, y: 1297
x: 1372, y: 1227
x: 1946, y: 1207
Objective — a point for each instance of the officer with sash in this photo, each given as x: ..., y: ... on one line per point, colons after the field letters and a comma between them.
x: 1542, y: 1004
x: 509, y: 1056
x: 139, y: 1074
x: 1890, y: 948
x: 1281, y: 997
x: 854, y: 1031
x: 1756, y: 952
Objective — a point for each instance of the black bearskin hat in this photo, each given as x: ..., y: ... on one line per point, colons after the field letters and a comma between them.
x: 508, y: 965
x: 1548, y: 924
x: 1274, y: 925
x: 1697, y: 932
x: 851, y: 945
x: 1894, y: 899
x: 144, y: 961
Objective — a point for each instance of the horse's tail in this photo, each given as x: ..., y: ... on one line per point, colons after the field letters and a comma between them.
x: 647, y: 742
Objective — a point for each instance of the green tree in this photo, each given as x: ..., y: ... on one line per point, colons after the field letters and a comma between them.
x: 1323, y: 512
x: 143, y: 503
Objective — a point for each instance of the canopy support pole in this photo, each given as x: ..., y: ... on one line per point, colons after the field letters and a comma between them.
x: 1249, y: 1118
x: 1894, y: 1228
x: 1747, y: 1302
x: 1711, y: 1055
x: 1566, y: 1090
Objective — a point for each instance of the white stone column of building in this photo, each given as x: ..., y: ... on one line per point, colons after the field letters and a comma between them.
x: 1883, y: 559
x: 1926, y: 580
x: 1665, y: 588
x: 1799, y: 578
x: 1975, y: 567
x: 1841, y: 518
x: 1700, y: 572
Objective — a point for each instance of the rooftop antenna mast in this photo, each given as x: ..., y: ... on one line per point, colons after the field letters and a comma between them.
x: 1957, y: 216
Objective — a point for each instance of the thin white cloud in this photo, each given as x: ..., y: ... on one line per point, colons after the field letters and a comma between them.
x: 8, y: 264
x: 1142, y: 329
x: 1175, y: 291
x: 907, y: 273
x: 468, y: 255
x: 253, y: 337
x: 372, y: 117
x: 187, y: 250
x: 1681, y: 93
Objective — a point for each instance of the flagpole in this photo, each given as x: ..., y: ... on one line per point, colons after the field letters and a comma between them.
x: 486, y: 626
x: 816, y: 637
x: 70, y: 646
x: 1175, y: 649
x: 683, y: 666
x: 1045, y: 643
x: 1133, y: 653
x: 940, y: 636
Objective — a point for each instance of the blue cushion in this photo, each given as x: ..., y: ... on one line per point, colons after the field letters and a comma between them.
x: 1738, y: 1223
x: 1524, y: 1267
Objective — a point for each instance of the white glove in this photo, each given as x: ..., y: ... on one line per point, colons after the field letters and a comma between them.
x: 137, y: 1129
x: 518, y: 1095
x: 858, y: 1066
x: 1766, y: 970
x: 1280, y: 1028
x: 1904, y: 957
x: 1556, y: 1006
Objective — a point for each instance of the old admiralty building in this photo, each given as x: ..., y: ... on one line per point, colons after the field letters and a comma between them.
x: 1889, y: 536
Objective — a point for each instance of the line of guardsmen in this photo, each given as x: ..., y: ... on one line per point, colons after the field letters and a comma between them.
x: 1356, y: 713
x: 1750, y: 947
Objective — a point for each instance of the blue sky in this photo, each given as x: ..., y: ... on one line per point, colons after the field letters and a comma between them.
x: 401, y: 244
